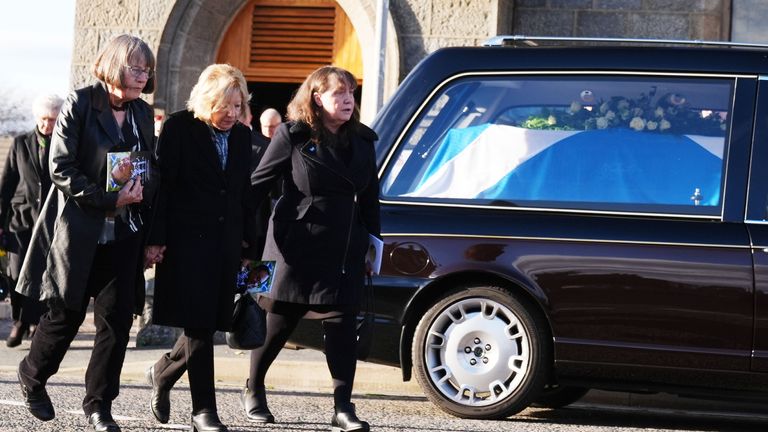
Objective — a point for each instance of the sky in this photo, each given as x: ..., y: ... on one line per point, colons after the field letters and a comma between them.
x: 36, y: 46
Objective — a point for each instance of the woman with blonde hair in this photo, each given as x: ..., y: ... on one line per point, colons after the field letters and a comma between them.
x: 88, y: 242
x: 204, y: 157
x: 319, y: 233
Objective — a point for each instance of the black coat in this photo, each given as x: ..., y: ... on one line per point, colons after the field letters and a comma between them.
x: 200, y: 219
x: 320, y: 226
x: 23, y: 185
x: 65, y: 236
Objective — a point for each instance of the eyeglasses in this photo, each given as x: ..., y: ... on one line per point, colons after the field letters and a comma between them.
x: 137, y: 71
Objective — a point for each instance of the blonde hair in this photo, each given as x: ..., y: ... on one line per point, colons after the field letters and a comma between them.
x: 303, y: 107
x: 215, y: 84
x: 111, y: 62
x: 46, y: 104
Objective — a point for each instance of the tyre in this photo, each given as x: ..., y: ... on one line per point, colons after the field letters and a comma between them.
x: 559, y: 396
x: 481, y: 353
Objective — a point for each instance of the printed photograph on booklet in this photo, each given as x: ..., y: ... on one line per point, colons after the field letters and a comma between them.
x: 123, y: 166
x: 257, y: 277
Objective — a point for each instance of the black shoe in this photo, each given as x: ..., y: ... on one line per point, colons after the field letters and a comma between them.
x: 37, y: 402
x: 255, y: 405
x: 103, y: 422
x: 160, y: 402
x: 18, y: 331
x: 207, y: 422
x: 345, y: 420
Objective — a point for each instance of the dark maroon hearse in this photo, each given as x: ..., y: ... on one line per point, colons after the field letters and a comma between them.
x: 564, y: 218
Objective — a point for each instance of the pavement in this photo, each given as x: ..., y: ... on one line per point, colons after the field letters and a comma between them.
x: 305, y: 370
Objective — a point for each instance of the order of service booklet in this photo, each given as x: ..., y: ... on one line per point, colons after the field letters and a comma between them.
x: 123, y: 166
x: 257, y: 277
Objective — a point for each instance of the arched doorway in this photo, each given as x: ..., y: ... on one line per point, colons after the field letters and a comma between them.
x: 277, y: 43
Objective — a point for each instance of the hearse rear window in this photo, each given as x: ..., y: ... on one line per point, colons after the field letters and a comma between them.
x: 594, y: 142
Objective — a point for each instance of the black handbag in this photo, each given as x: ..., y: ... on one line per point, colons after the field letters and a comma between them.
x: 365, y: 321
x: 249, y: 324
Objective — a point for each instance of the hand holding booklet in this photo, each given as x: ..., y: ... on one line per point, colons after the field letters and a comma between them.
x: 257, y: 277
x: 123, y: 166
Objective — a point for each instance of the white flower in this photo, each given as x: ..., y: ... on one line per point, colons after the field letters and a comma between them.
x: 604, y: 108
x: 551, y: 120
x: 637, y: 124
x: 659, y: 112
x: 664, y: 125
x: 610, y: 115
x: 575, y: 107
x: 651, y: 125
x: 602, y: 123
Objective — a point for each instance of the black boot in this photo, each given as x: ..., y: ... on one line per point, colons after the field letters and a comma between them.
x: 102, y: 421
x: 160, y: 401
x: 345, y: 420
x: 255, y: 405
x: 18, y: 331
x: 37, y: 402
x: 207, y: 422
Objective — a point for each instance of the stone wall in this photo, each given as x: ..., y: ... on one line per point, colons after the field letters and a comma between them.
x: 656, y: 19
x: 98, y: 21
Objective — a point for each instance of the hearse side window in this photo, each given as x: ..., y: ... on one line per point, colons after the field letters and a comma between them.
x: 596, y: 142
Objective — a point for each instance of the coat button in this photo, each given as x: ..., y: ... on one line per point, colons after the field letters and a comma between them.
x: 221, y: 218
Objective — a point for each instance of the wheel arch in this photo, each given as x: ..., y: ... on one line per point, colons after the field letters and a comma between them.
x: 427, y: 294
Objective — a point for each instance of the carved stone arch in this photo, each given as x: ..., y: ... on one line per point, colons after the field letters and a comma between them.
x: 194, y: 30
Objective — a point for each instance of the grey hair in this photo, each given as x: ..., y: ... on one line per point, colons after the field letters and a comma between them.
x: 46, y: 104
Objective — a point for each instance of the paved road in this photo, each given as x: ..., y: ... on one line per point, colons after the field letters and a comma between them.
x: 299, y: 395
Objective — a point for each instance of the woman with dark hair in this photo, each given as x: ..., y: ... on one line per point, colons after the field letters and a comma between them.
x: 319, y: 233
x: 88, y: 242
x: 204, y: 158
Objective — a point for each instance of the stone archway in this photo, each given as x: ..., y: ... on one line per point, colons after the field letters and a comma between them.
x: 194, y: 30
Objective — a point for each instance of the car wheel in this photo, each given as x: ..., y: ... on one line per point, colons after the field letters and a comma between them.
x: 559, y: 396
x: 480, y: 353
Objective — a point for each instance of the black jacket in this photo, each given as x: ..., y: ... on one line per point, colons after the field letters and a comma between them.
x: 318, y: 234
x: 23, y: 185
x: 200, y: 218
x: 65, y: 236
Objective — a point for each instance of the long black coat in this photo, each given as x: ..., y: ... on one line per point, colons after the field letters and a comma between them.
x: 65, y: 236
x: 318, y: 234
x: 200, y: 219
x: 23, y: 187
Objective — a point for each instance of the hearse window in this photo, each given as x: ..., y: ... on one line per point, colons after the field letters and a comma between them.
x: 601, y: 142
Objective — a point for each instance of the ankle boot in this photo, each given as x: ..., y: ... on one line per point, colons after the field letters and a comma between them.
x: 345, y: 420
x: 255, y: 405
x: 17, y: 334
x: 207, y: 422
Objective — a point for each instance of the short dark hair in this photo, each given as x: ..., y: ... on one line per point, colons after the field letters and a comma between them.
x: 109, y: 66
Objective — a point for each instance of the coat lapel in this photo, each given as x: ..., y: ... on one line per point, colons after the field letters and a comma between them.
x: 206, y: 147
x: 100, y: 103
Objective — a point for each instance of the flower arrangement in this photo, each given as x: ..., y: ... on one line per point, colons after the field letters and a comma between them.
x: 669, y: 114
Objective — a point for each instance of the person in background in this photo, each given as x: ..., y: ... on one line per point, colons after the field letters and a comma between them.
x: 203, y: 155
x: 88, y: 242
x: 24, y: 186
x: 318, y: 235
x: 269, y: 120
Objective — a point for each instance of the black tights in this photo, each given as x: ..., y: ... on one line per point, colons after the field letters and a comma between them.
x: 340, y: 351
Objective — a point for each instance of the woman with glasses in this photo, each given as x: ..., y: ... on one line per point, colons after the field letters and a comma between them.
x: 204, y: 158
x: 88, y: 242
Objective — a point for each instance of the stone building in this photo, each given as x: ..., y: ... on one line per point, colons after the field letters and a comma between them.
x: 277, y: 42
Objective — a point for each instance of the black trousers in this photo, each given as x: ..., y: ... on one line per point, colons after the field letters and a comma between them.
x: 193, y: 353
x: 111, y: 283
x: 340, y: 351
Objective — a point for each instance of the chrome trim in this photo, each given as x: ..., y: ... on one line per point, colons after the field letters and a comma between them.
x: 756, y: 222
x: 439, y: 87
x: 567, y: 240
x: 554, y: 210
x: 530, y: 41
